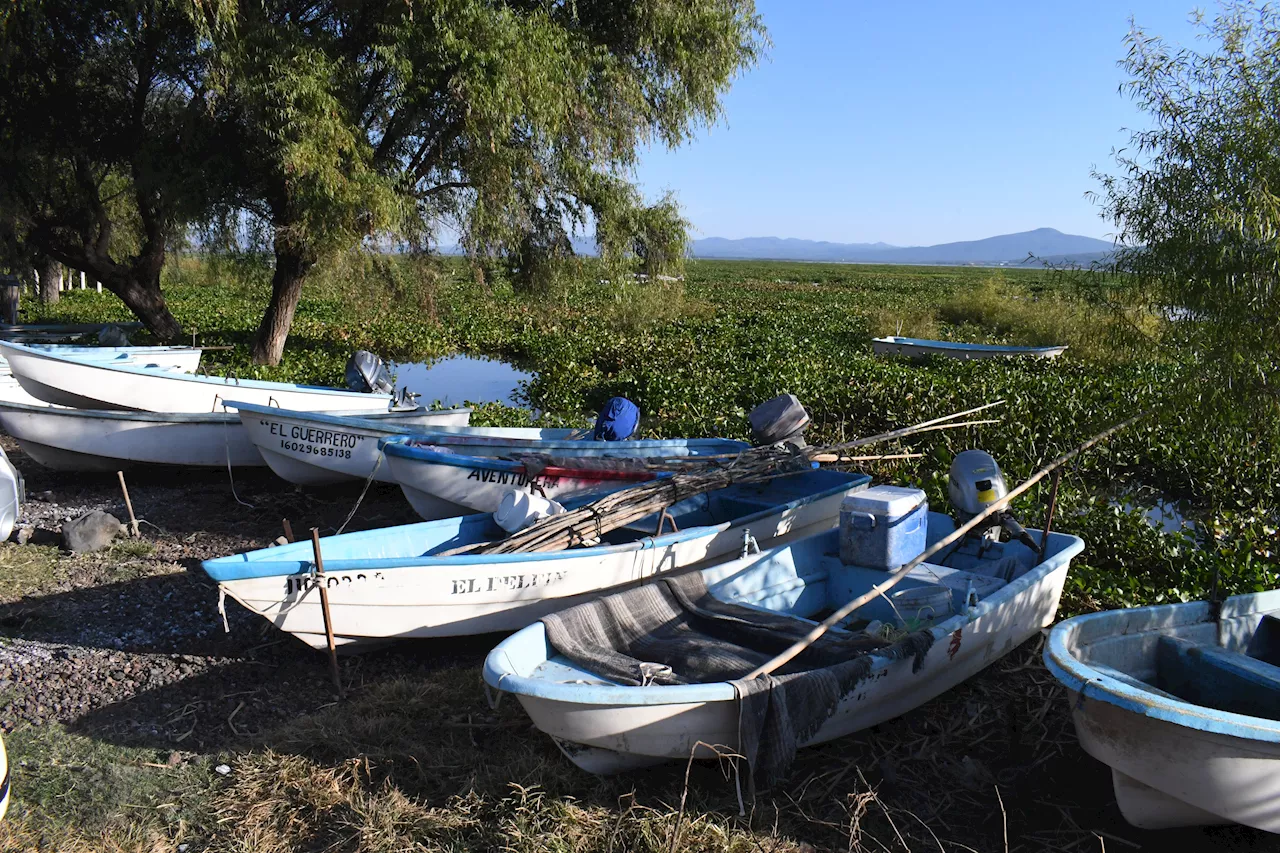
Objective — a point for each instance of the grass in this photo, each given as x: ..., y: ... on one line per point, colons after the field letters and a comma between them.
x: 27, y: 569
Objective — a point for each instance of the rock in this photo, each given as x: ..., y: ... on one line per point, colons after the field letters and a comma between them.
x: 23, y: 536
x: 280, y: 540
x: 91, y: 532
x: 222, y: 769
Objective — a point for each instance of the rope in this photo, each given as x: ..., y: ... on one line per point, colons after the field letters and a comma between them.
x: 226, y: 446
x: 368, y: 481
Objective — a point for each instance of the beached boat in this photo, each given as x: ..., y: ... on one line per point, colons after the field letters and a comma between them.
x: 12, y: 494
x: 443, y: 474
x: 392, y: 583
x: 67, y: 381
x: 4, y: 780
x: 1182, y: 702
x: 668, y: 686
x: 71, y: 439
x: 921, y: 347
x: 177, y: 358
x: 316, y: 448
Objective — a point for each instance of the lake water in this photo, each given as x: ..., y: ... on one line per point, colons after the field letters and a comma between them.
x: 460, y: 379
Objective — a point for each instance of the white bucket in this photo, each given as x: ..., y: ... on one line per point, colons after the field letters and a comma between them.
x: 518, y: 509
x: 922, y: 604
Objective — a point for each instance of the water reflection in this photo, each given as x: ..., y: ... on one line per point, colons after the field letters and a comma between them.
x: 460, y: 379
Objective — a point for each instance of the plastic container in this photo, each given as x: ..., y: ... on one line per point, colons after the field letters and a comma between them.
x: 921, y: 604
x: 518, y: 509
x: 883, y: 527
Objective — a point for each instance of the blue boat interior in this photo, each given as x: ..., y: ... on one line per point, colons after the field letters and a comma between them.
x: 806, y: 579
x: 1231, y: 665
x: 417, y: 544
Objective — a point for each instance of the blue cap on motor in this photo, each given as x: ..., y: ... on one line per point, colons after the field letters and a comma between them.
x: 617, y: 420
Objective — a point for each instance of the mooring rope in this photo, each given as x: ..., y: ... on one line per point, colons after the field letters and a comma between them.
x: 368, y: 482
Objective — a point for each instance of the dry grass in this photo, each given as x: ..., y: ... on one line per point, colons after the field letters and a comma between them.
x: 27, y: 569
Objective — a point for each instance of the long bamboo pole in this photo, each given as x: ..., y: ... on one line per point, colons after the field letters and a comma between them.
x: 800, y: 645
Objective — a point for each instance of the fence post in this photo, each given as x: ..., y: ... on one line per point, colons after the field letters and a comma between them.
x: 83, y: 285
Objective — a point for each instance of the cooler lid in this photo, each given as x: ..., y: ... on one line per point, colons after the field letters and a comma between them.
x: 884, y: 501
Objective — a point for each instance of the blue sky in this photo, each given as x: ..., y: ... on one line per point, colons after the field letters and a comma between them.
x: 917, y: 123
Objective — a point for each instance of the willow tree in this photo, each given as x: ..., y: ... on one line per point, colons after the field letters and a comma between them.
x: 104, y: 140
x: 513, y: 123
x: 1197, y: 196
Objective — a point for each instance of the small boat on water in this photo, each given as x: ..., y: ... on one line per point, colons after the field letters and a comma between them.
x: 1182, y: 702
x: 317, y: 448
x: 68, y: 381
x: 921, y: 347
x: 70, y: 439
x: 445, y: 474
x: 397, y: 582
x: 656, y: 673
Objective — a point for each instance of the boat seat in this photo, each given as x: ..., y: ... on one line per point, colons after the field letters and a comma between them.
x: 1216, y: 678
x: 1265, y: 643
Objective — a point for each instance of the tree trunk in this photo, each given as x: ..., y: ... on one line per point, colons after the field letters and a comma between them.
x: 292, y: 267
x: 147, y: 303
x: 50, y: 272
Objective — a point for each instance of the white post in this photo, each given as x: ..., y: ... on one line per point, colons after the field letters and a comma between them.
x: 82, y: 280
x: 99, y: 286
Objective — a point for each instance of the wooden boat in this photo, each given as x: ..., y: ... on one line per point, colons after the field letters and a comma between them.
x: 70, y: 439
x: 607, y: 724
x: 1182, y: 702
x: 68, y: 381
x: 921, y: 347
x: 391, y: 583
x: 303, y: 447
x: 445, y: 474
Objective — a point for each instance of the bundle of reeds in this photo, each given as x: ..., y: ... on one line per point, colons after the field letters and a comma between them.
x: 697, y: 475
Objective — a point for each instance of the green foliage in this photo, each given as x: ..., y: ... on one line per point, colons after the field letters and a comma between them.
x: 697, y: 359
x: 1198, y: 196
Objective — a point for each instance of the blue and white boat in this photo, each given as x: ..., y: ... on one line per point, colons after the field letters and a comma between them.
x: 444, y: 474
x: 402, y: 582
x: 675, y: 689
x: 65, y: 380
x: 921, y: 347
x: 1182, y: 702
x: 318, y: 448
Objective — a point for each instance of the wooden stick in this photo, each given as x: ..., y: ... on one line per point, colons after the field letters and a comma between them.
x: 878, y: 590
x: 128, y: 504
x: 1048, y: 515
x: 324, y: 608
x: 288, y: 529
x: 828, y: 458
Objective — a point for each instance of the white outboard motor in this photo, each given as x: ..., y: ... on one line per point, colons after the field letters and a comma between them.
x: 975, y: 483
x: 781, y: 420
x: 367, y: 374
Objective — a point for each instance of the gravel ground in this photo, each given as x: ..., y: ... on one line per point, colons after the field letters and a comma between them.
x: 130, y: 646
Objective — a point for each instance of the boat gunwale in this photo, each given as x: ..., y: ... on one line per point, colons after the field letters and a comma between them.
x: 406, y: 448
x: 158, y: 373
x: 289, y: 568
x: 335, y: 419
x: 393, y: 445
x: 223, y: 417
x: 723, y: 691
x: 1093, y: 685
x: 894, y: 340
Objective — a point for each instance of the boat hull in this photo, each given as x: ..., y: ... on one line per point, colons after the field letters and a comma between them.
x: 313, y: 451
x: 920, y: 348
x: 92, y: 385
x: 444, y: 597
x: 637, y: 736
x: 1174, y: 763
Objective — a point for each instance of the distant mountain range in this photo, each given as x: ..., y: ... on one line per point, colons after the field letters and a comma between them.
x: 1027, y: 248
x: 1045, y: 244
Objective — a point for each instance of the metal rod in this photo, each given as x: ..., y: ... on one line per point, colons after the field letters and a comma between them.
x: 128, y: 504
x: 288, y: 529
x: 324, y: 608
x: 879, y: 589
x: 1048, y: 515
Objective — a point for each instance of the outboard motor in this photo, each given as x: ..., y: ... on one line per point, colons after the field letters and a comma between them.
x: 617, y: 420
x: 367, y: 374
x: 781, y: 420
x: 975, y: 482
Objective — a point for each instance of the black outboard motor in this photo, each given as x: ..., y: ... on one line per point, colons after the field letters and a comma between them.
x: 781, y: 420
x: 367, y: 374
